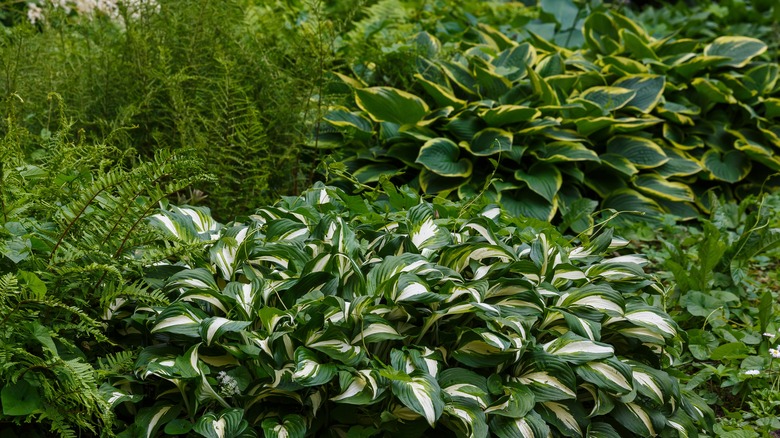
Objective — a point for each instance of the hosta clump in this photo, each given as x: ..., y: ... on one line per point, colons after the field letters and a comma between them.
x: 639, y: 123
x: 339, y: 315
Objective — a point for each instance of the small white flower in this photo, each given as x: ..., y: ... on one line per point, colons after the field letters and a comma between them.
x: 775, y: 353
x: 752, y: 372
x: 34, y: 13
x: 769, y: 335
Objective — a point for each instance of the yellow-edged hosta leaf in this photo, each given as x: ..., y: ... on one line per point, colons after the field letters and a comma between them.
x: 737, y: 50
x: 385, y: 104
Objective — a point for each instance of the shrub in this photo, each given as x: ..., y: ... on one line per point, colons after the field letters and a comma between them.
x: 71, y: 234
x: 340, y: 315
x: 638, y: 123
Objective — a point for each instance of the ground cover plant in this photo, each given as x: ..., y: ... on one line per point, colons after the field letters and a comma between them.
x: 634, y: 122
x: 454, y: 306
x: 338, y: 315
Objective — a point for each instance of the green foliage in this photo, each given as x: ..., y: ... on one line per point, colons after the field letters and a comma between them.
x: 722, y: 290
x: 73, y: 236
x: 331, y: 314
x: 236, y: 81
x: 638, y: 123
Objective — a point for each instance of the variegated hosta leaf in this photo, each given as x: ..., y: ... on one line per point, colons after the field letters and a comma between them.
x: 654, y: 384
x: 600, y: 297
x: 567, y: 416
x: 336, y: 345
x: 290, y: 426
x: 517, y: 402
x: 424, y: 232
x: 375, y: 329
x: 457, y: 257
x: 610, y: 374
x: 176, y: 224
x: 309, y: 370
x: 179, y: 318
x: 466, y: 418
x: 364, y: 387
x: 481, y: 348
x: 530, y: 426
x: 225, y: 254
x: 114, y: 396
x: 229, y: 423
x: 548, y: 377
x: 577, y: 350
x: 246, y: 296
x: 652, y: 318
x: 188, y: 279
x: 214, y: 327
x: 149, y: 420
x: 639, y: 419
x: 411, y: 288
x: 463, y: 384
x: 420, y: 392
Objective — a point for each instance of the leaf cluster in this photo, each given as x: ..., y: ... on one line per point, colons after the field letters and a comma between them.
x: 631, y: 121
x: 336, y: 315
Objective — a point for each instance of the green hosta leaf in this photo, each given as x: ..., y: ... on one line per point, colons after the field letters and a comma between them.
x: 656, y: 185
x: 291, y: 426
x: 509, y: 115
x: 619, y: 163
x: 309, y: 371
x: 643, y: 153
x: 630, y: 200
x: 20, y: 399
x: 386, y: 104
x: 344, y: 119
x: 440, y: 156
x: 576, y: 349
x: 442, y: 94
x: 601, y: 33
x: 489, y: 84
x: 515, y: 61
x: 525, y: 203
x: 648, y: 88
x: 432, y: 183
x: 542, y: 89
x: 737, y: 50
x: 713, y: 91
x: 564, y: 151
x: 637, y: 45
x: 542, y: 178
x: 229, y: 424
x: 679, y: 164
x: 530, y: 426
x: 610, y: 374
x: 419, y: 392
x: 214, y: 327
x: 490, y: 141
x: 460, y: 76
x: 609, y: 98
x: 732, y: 166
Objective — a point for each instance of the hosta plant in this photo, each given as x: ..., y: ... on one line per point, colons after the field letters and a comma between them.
x: 337, y: 315
x: 635, y: 122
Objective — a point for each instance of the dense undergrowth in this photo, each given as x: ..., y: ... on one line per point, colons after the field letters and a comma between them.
x: 546, y: 220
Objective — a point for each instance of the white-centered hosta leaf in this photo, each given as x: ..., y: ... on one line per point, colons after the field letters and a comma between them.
x: 653, y: 319
x: 420, y: 392
x: 610, y: 375
x: 309, y: 371
x: 577, y: 349
x: 212, y: 328
x: 290, y: 426
x: 179, y: 318
x: 229, y: 423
